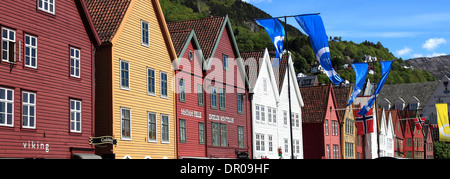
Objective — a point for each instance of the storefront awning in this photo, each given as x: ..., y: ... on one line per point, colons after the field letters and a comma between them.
x: 85, y: 156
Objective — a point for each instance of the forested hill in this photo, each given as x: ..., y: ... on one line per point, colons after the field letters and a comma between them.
x: 251, y: 37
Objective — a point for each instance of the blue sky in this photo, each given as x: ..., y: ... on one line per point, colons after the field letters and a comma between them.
x: 409, y: 28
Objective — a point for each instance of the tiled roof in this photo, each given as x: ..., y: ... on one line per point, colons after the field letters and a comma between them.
x: 316, y: 100
x: 422, y: 91
x: 280, y: 70
x: 107, y: 16
x: 207, y: 31
x: 342, y: 94
x: 179, y: 40
x: 253, y: 71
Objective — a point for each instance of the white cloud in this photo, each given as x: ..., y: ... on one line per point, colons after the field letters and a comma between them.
x: 433, y: 43
x: 428, y: 55
x: 403, y: 51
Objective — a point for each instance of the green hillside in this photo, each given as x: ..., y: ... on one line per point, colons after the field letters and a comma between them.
x: 251, y: 37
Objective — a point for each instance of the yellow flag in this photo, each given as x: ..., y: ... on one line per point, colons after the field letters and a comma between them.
x: 443, y: 122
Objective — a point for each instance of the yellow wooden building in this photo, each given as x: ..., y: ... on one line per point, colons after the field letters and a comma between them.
x: 134, y: 93
x: 348, y: 129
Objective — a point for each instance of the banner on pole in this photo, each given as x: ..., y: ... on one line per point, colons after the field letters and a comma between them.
x: 276, y: 32
x: 361, y: 70
x: 443, y: 122
x: 313, y: 26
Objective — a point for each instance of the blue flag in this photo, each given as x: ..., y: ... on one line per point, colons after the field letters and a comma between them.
x: 313, y: 26
x: 276, y: 32
x: 385, y: 69
x: 361, y: 75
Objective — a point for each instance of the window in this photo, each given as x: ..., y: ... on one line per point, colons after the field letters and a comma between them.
x: 286, y: 145
x: 30, y: 51
x: 125, y: 117
x: 274, y: 117
x: 201, y: 133
x: 6, y: 107
x: 182, y: 131
x: 29, y: 110
x: 263, y: 114
x: 47, y: 6
x: 8, y: 45
x: 241, y: 137
x: 75, y: 62
x: 144, y: 33
x: 124, y: 75
x: 225, y: 61
x: 260, y: 146
x: 151, y: 127
x: 269, y: 114
x: 215, y: 134
x: 200, y: 95
x: 223, y: 135
x: 164, y: 128
x: 270, y: 143
x: 240, y: 102
x: 213, y: 97
x: 150, y: 81
x: 328, y: 152
x: 222, y: 99
x: 285, y: 118
x: 336, y: 151
x: 334, y: 128
x: 75, y: 116
x: 181, y: 90
x: 163, y: 84
x: 257, y: 113
x: 265, y: 85
x: 297, y: 146
x: 326, y: 127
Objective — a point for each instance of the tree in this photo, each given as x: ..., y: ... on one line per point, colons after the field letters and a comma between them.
x: 441, y: 150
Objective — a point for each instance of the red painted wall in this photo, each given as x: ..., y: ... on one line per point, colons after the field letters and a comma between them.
x: 315, y: 139
x: 225, y: 47
x: 193, y: 77
x: 51, y: 81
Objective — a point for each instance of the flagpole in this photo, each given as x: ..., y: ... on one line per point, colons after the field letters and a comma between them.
x: 289, y: 86
x: 376, y: 108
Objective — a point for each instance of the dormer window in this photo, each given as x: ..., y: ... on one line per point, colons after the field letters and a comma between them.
x: 47, y: 6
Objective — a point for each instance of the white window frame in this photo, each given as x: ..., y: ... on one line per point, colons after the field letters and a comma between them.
x: 166, y: 85
x: 257, y: 113
x: 8, y: 39
x: 129, y: 74
x: 75, y: 111
x: 149, y: 127
x: 49, y: 2
x: 149, y: 92
x: 30, y: 47
x: 5, y: 110
x: 28, y: 106
x: 75, y: 59
x: 162, y: 129
x: 143, y: 33
x: 121, y: 124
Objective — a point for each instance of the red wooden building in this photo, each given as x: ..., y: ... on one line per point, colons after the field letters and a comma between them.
x: 46, y: 89
x: 225, y: 132
x: 321, y: 124
x: 399, y: 141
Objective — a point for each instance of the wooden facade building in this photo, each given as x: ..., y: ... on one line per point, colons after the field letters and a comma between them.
x: 46, y: 89
x: 134, y: 78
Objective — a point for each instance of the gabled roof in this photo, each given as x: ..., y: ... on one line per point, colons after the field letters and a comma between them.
x: 408, y: 92
x: 342, y: 95
x: 182, y: 39
x: 207, y: 30
x: 316, y: 100
x: 107, y: 16
x: 262, y: 59
x: 90, y: 23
